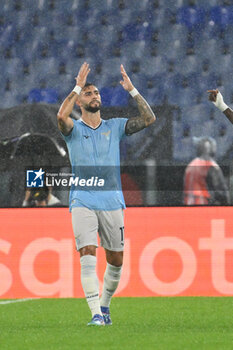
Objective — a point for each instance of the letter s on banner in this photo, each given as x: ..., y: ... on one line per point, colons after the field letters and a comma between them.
x: 5, y: 273
x: 64, y: 285
x: 147, y: 272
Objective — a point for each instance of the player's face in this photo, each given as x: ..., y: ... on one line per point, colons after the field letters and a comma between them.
x: 90, y: 99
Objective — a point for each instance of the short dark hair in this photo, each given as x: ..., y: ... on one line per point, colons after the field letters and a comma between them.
x: 88, y: 84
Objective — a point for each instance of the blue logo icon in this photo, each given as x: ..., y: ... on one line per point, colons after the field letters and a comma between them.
x: 35, y: 178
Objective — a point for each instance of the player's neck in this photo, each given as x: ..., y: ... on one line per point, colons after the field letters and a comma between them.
x: 91, y: 119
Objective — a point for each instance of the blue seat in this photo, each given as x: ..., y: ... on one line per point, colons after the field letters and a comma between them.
x: 171, y: 4
x: 114, y: 96
x: 212, y: 31
x: 139, y: 80
x: 183, y: 148
x: 228, y: 37
x: 45, y: 66
x: 137, y: 32
x: 223, y: 139
x: 192, y: 17
x: 111, y: 66
x: 221, y: 15
x: 73, y: 65
x: 135, y: 49
x: 12, y: 67
x: 140, y: 5
x: 175, y: 50
x: 187, y: 97
x: 22, y: 20
x: 34, y: 96
x: 120, y: 97
x: 205, y: 3
x: 47, y: 95
x: 189, y: 64
x: 8, y: 100
x: 7, y: 37
x: 154, y: 65
x: 174, y: 32
x: 155, y: 96
x: 104, y: 5
x: 210, y: 48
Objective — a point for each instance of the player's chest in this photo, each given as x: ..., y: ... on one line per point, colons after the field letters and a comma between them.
x: 98, y: 142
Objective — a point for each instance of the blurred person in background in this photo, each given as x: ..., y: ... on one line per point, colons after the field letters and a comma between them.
x: 204, y: 183
x: 40, y: 197
x: 216, y: 97
x: 94, y: 143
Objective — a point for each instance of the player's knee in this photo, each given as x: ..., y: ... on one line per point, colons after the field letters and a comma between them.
x: 88, y: 250
x: 114, y: 258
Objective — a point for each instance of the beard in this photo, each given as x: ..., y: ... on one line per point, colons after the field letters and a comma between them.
x: 91, y: 109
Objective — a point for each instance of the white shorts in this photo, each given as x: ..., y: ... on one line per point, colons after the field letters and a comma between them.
x: 109, y: 224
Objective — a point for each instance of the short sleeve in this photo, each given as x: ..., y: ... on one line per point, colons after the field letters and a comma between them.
x: 121, y: 122
x: 69, y: 137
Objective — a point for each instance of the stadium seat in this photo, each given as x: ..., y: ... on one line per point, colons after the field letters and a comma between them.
x: 155, y: 96
x: 172, y: 4
x: 137, y: 32
x: 176, y: 49
x: 206, y: 3
x: 228, y: 34
x: 141, y: 5
x: 12, y: 67
x: 192, y: 17
x: 34, y: 96
x: 183, y: 148
x: 221, y: 15
x: 154, y: 65
x: 47, y: 95
x: 104, y: 5
x: 9, y: 100
x: 114, y: 96
x: 137, y: 47
x: 7, y: 37
x: 120, y: 97
x: 111, y: 66
x: 187, y: 97
x: 224, y: 139
x: 209, y: 49
x: 174, y: 32
x: 190, y: 64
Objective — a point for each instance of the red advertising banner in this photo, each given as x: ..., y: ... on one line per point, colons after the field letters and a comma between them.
x: 168, y: 252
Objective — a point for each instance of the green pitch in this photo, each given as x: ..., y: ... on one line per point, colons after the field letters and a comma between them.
x: 138, y: 323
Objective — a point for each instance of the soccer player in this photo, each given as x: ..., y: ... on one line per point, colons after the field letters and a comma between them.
x: 93, y: 145
x: 216, y: 97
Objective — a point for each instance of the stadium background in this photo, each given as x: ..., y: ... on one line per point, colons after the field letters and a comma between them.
x: 173, y: 51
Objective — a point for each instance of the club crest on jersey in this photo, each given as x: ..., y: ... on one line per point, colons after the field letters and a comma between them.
x: 107, y: 134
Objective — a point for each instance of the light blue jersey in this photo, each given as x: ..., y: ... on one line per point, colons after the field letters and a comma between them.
x: 95, y: 157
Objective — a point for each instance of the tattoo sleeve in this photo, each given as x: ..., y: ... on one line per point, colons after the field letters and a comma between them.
x: 146, y: 117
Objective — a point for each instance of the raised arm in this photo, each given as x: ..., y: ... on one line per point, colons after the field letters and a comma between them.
x: 216, y: 97
x: 146, y: 117
x: 65, y: 122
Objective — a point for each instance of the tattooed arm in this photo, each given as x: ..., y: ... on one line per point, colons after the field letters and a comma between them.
x: 146, y: 117
x: 65, y: 122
